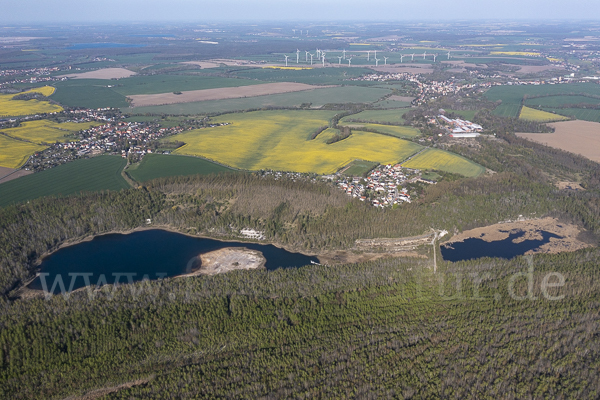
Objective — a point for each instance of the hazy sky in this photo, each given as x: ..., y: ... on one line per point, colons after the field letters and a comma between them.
x: 291, y: 10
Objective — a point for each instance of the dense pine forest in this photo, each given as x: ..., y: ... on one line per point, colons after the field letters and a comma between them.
x: 389, y: 328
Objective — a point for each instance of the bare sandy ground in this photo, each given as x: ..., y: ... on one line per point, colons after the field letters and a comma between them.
x: 8, y: 174
x: 400, y: 68
x: 532, y: 228
x: 106, y: 73
x: 142, y: 100
x: 220, y: 61
x: 579, y: 137
x: 230, y: 259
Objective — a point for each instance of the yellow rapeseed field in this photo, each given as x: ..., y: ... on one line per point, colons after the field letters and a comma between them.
x: 44, y: 131
x: 13, y: 108
x: 532, y: 114
x: 15, y: 152
x: 280, y: 140
x: 444, y: 161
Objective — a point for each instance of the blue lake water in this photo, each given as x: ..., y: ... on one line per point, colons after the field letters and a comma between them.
x: 477, y: 248
x: 83, y: 46
x: 149, y: 254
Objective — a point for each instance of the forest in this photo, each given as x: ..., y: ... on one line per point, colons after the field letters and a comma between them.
x: 487, y: 328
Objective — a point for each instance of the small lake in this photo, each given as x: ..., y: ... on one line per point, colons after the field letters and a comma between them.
x: 149, y: 254
x: 473, y: 248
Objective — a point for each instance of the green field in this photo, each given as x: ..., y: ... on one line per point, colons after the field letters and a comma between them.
x: 96, y: 93
x: 584, y: 114
x: 155, y: 166
x: 87, y: 175
x: 391, y: 104
x: 557, y: 101
x: 379, y: 116
x: 393, y: 130
x: 359, y: 168
x: 512, y: 96
x: 280, y: 140
x: 316, y: 97
x: 88, y: 93
x: 44, y: 131
x: 315, y: 76
x: 441, y: 160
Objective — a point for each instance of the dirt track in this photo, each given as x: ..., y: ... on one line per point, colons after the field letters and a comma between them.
x: 191, y: 96
x: 8, y: 174
x: 579, y: 137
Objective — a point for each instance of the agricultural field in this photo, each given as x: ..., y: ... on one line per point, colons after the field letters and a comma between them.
x: 531, y: 114
x: 88, y: 93
x: 579, y: 137
x: 584, y: 114
x: 15, y: 108
x: 393, y: 130
x: 315, y: 76
x: 440, y: 160
x: 96, y: 93
x: 512, y: 96
x: 280, y: 140
x: 359, y: 167
x: 378, y: 116
x: 192, y: 96
x: 562, y: 101
x: 84, y: 175
x: 155, y: 166
x: 14, y: 153
x: 45, y: 132
x: 316, y: 98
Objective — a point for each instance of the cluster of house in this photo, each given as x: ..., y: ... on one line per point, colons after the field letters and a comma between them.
x: 33, y: 75
x: 114, y: 137
x: 383, y: 185
x: 426, y: 90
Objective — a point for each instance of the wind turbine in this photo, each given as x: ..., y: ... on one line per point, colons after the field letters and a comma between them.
x: 297, y: 55
x: 376, y: 62
x: 434, y: 57
x: 448, y: 55
x: 344, y: 53
x: 412, y: 57
x: 307, y: 53
x: 349, y: 60
x: 318, y: 53
x: 385, y: 60
x: 424, y: 54
x: 368, y: 55
x: 323, y: 57
x: 311, y: 56
x: 286, y: 58
x: 339, y: 60
x: 401, y: 57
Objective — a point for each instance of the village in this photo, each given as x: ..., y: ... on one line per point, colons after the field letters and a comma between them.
x: 384, y: 186
x: 129, y: 139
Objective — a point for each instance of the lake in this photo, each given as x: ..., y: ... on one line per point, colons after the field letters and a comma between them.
x: 148, y: 254
x: 477, y: 248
